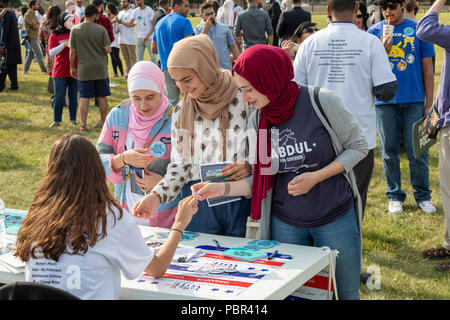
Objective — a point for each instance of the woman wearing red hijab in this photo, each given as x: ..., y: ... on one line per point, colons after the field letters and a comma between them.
x: 304, y: 192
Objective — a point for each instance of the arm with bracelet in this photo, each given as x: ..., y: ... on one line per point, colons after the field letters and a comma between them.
x: 161, y: 260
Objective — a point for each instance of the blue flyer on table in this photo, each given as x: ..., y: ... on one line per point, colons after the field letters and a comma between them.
x: 212, y: 173
x: 13, y: 222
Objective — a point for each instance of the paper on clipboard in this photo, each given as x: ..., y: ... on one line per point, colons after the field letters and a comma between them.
x: 210, y: 172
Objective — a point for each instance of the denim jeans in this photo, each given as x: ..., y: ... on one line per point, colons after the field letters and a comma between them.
x: 140, y: 50
x: 61, y: 85
x: 342, y: 235
x: 23, y: 33
x: 229, y: 219
x: 391, y: 120
x: 172, y: 91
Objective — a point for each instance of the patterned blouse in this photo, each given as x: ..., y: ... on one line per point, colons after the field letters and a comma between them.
x: 44, y: 34
x: 207, y: 148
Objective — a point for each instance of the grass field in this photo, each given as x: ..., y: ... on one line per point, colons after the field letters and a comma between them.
x: 392, y: 245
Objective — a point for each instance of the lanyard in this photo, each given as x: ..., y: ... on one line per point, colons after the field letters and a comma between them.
x: 147, y: 145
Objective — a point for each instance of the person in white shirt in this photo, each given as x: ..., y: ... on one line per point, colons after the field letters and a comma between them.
x: 77, y: 238
x: 80, y: 9
x: 127, y: 38
x: 111, y: 11
x: 286, y: 5
x: 143, y: 16
x: 21, y: 26
x: 353, y: 64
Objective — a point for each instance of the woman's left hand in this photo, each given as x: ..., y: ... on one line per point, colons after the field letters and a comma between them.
x: 302, y: 184
x: 237, y: 170
x: 150, y: 180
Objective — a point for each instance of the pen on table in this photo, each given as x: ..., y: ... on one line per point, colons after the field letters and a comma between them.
x: 272, y: 255
x: 217, y: 243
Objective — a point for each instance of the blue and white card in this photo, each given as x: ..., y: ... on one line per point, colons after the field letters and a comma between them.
x: 212, y: 172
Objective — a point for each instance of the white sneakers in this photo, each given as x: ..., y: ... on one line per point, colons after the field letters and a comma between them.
x: 396, y: 207
x: 427, y: 207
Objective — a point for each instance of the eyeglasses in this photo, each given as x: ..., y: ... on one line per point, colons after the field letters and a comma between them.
x: 309, y: 30
x: 390, y: 6
x: 359, y: 16
x: 208, y: 14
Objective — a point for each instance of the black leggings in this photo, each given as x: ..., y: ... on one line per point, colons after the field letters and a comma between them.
x: 115, y: 60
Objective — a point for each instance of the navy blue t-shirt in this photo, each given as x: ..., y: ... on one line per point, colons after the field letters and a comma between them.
x: 305, y: 146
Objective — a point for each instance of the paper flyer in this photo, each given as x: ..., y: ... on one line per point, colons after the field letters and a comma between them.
x: 212, y: 173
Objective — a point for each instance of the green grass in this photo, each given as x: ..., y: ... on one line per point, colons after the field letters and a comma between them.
x: 391, y: 243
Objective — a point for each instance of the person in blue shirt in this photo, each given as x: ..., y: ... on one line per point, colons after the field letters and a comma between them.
x: 170, y: 29
x: 220, y: 35
x: 411, y: 61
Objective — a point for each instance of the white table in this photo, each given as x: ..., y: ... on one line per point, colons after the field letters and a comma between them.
x: 278, y: 284
x: 281, y: 282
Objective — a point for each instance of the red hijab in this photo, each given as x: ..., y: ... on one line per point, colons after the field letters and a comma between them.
x: 270, y: 71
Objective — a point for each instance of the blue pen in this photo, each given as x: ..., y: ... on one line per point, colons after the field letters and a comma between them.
x: 272, y: 255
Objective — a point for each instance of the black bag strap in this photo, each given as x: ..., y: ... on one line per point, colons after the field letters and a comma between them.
x: 319, y: 105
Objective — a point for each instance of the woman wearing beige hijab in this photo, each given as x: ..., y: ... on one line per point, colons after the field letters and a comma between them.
x: 208, y: 126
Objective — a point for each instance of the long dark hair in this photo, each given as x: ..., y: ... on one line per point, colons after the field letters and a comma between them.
x: 70, y: 208
x: 112, y: 8
x: 363, y: 9
x: 52, y: 17
x: 302, y: 26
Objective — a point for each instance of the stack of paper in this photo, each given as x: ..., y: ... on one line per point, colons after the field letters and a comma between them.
x: 12, y: 263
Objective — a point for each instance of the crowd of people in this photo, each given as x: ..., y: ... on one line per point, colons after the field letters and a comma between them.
x: 292, y: 111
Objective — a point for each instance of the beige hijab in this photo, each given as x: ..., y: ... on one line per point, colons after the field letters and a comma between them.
x: 199, y: 54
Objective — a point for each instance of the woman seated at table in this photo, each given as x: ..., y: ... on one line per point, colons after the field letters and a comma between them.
x: 305, y: 193
x: 76, y: 237
x: 208, y: 126
x: 136, y: 135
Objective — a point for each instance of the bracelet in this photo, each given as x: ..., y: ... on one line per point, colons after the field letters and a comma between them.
x: 177, y: 230
x: 121, y: 159
x: 227, y: 189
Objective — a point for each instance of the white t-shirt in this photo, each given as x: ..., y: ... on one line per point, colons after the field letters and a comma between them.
x: 127, y: 34
x: 79, y: 11
x: 116, y: 31
x: 96, y: 274
x: 349, y: 62
x: 21, y: 21
x: 39, y: 16
x: 143, y: 19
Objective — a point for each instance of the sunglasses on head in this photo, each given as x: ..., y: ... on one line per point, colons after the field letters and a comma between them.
x: 309, y: 30
x: 390, y: 6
